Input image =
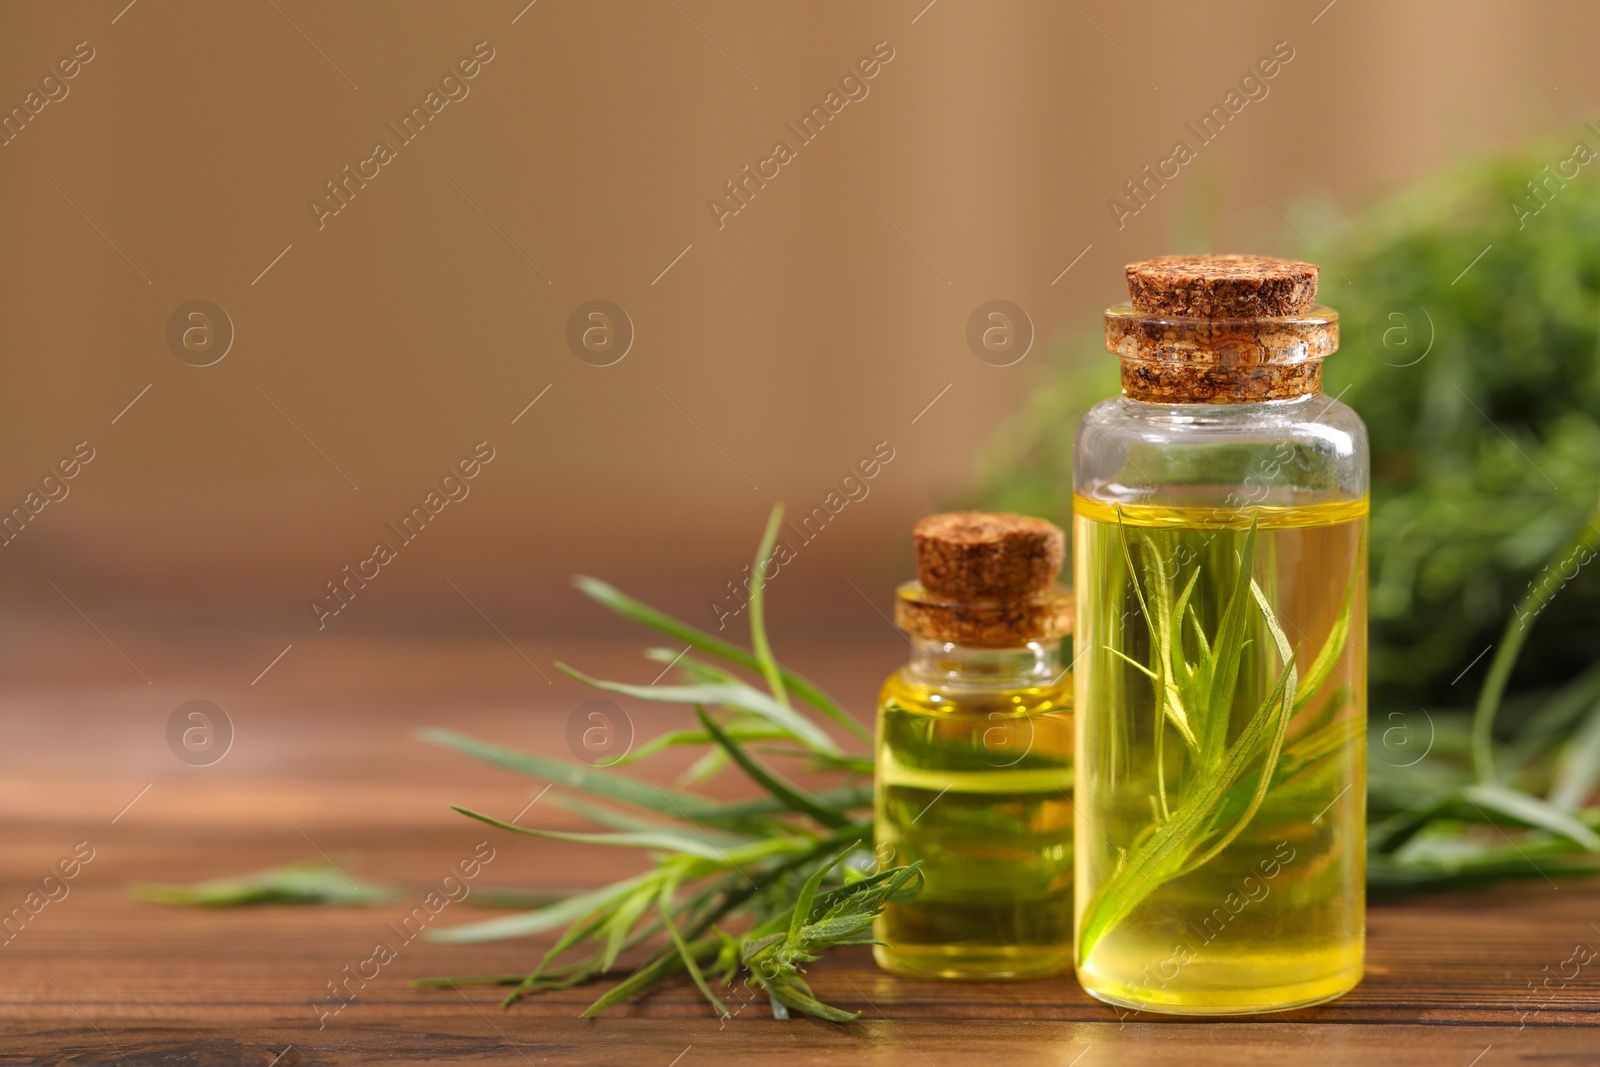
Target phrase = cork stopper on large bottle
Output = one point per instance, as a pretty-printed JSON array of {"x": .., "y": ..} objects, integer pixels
[
  {"x": 986, "y": 579},
  {"x": 1221, "y": 328},
  {"x": 1222, "y": 287}
]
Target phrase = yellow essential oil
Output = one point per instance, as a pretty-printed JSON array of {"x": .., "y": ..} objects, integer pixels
[
  {"x": 976, "y": 782},
  {"x": 974, "y": 756},
  {"x": 1247, "y": 908}
]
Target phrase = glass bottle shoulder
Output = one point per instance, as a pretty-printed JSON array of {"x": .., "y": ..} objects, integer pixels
[
  {"x": 1307, "y": 450},
  {"x": 1315, "y": 416}
]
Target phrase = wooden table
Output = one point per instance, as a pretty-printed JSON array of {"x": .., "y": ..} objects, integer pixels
[{"x": 322, "y": 762}]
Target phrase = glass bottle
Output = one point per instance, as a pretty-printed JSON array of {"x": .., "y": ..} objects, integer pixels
[
  {"x": 974, "y": 755},
  {"x": 1219, "y": 563}
]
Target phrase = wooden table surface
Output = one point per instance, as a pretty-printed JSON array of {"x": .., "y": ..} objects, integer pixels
[{"x": 322, "y": 761}]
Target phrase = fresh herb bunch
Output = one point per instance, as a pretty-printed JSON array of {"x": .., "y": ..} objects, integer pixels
[{"x": 757, "y": 865}]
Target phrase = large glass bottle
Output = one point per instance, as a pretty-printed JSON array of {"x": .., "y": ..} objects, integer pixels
[
  {"x": 1219, "y": 562},
  {"x": 974, "y": 755}
]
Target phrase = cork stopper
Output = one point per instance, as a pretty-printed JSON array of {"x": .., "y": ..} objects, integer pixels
[
  {"x": 1222, "y": 287},
  {"x": 1221, "y": 329},
  {"x": 979, "y": 555},
  {"x": 986, "y": 579}
]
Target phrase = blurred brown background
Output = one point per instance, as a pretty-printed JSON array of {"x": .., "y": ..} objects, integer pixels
[{"x": 771, "y": 353}]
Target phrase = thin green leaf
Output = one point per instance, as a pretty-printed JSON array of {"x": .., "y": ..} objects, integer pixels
[
  {"x": 308, "y": 882},
  {"x": 705, "y": 767},
  {"x": 621, "y": 923},
  {"x": 808, "y": 892},
  {"x": 1199, "y": 634},
  {"x": 561, "y": 913},
  {"x": 693, "y": 669},
  {"x": 1333, "y": 647},
  {"x": 1557, "y": 717},
  {"x": 843, "y": 798},
  {"x": 470, "y": 979},
  {"x": 744, "y": 731},
  {"x": 575, "y": 934},
  {"x": 740, "y": 696},
  {"x": 644, "y": 614},
  {"x": 769, "y": 779},
  {"x": 684, "y": 952},
  {"x": 1159, "y": 674},
  {"x": 1228, "y": 653},
  {"x": 1389, "y": 835},
  {"x": 686, "y": 842},
  {"x": 1180, "y": 609},
  {"x": 1530, "y": 811},
  {"x": 1136, "y": 665},
  {"x": 486, "y": 896},
  {"x": 600, "y": 782},
  {"x": 810, "y": 1005},
  {"x": 1518, "y": 626},
  {"x": 1311, "y": 749},
  {"x": 1387, "y": 876},
  {"x": 1578, "y": 770},
  {"x": 610, "y": 818},
  {"x": 1177, "y": 707},
  {"x": 659, "y": 967},
  {"x": 819, "y": 761},
  {"x": 758, "y": 599}
]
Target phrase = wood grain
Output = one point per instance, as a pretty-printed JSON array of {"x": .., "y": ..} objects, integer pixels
[{"x": 99, "y": 978}]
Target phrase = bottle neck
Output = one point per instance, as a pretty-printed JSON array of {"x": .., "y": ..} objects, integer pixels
[
  {"x": 935, "y": 662},
  {"x": 1168, "y": 360}
]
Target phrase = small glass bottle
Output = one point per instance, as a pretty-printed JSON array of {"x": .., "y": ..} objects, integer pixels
[
  {"x": 974, "y": 755},
  {"x": 1219, "y": 560}
]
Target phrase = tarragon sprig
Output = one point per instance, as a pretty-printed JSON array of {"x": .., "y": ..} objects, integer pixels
[
  {"x": 1194, "y": 693},
  {"x": 760, "y": 864},
  {"x": 317, "y": 881},
  {"x": 774, "y": 951}
]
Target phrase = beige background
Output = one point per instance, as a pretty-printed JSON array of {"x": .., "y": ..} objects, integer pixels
[{"x": 819, "y": 321}]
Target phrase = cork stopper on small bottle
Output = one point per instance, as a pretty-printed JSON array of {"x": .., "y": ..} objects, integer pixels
[
  {"x": 1221, "y": 329},
  {"x": 986, "y": 579},
  {"x": 977, "y": 555}
]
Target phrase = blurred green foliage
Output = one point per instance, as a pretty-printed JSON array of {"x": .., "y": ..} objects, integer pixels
[{"x": 1480, "y": 386}]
